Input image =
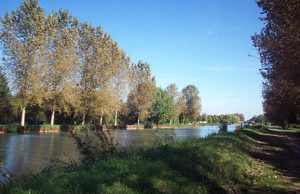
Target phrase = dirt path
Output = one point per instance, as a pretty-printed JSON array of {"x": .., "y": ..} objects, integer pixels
[
  {"x": 282, "y": 151},
  {"x": 293, "y": 162}
]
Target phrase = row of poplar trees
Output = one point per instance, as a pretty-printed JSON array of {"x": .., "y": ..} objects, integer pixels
[
  {"x": 278, "y": 45},
  {"x": 65, "y": 66},
  {"x": 61, "y": 64}
]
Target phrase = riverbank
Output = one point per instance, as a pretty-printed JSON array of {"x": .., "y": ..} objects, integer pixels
[
  {"x": 243, "y": 161},
  {"x": 16, "y": 128},
  {"x": 199, "y": 125}
]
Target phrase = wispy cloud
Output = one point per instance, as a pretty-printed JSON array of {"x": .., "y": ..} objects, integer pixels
[{"x": 231, "y": 68}]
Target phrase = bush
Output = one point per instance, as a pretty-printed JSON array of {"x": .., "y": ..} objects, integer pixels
[
  {"x": 12, "y": 127},
  {"x": 99, "y": 145},
  {"x": 164, "y": 136},
  {"x": 223, "y": 126}
]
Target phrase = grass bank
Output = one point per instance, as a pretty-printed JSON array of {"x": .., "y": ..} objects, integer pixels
[{"x": 221, "y": 163}]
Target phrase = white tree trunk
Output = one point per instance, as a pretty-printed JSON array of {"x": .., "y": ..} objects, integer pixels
[
  {"x": 23, "y": 117},
  {"x": 52, "y": 117},
  {"x": 101, "y": 118},
  {"x": 83, "y": 119},
  {"x": 116, "y": 118},
  {"x": 138, "y": 122}
]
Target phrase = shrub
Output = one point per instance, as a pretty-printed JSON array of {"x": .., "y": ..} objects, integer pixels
[
  {"x": 165, "y": 136},
  {"x": 223, "y": 126},
  {"x": 95, "y": 146}
]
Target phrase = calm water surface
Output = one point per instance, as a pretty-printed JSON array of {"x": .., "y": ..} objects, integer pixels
[{"x": 29, "y": 153}]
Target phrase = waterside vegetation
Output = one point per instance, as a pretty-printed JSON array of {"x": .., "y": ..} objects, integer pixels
[{"x": 247, "y": 161}]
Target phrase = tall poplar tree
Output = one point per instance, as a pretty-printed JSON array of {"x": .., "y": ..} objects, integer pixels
[
  {"x": 91, "y": 45},
  {"x": 22, "y": 42},
  {"x": 102, "y": 103},
  {"x": 120, "y": 85},
  {"x": 178, "y": 98},
  {"x": 143, "y": 93},
  {"x": 62, "y": 61},
  {"x": 101, "y": 59},
  {"x": 278, "y": 45},
  {"x": 192, "y": 101}
]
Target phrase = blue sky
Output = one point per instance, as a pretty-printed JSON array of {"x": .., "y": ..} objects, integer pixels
[{"x": 200, "y": 42}]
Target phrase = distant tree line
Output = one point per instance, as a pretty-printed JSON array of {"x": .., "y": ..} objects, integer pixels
[
  {"x": 225, "y": 118},
  {"x": 278, "y": 45},
  {"x": 258, "y": 119},
  {"x": 56, "y": 69}
]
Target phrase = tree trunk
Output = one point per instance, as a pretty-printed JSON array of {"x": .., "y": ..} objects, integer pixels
[
  {"x": 116, "y": 118},
  {"x": 52, "y": 116},
  {"x": 101, "y": 118},
  {"x": 138, "y": 122},
  {"x": 285, "y": 125},
  {"x": 83, "y": 119},
  {"x": 23, "y": 117}
]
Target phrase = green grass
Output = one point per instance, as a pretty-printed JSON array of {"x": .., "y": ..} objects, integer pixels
[
  {"x": 221, "y": 163},
  {"x": 290, "y": 130}
]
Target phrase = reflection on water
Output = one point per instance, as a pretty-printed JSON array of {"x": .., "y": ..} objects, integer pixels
[{"x": 28, "y": 153}]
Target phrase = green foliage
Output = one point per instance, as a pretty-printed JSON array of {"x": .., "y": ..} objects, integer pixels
[
  {"x": 142, "y": 95},
  {"x": 12, "y": 127},
  {"x": 240, "y": 116},
  {"x": 192, "y": 102},
  {"x": 6, "y": 108},
  {"x": 258, "y": 119},
  {"x": 163, "y": 108},
  {"x": 179, "y": 103},
  {"x": 36, "y": 115},
  {"x": 164, "y": 136},
  {"x": 41, "y": 117},
  {"x": 209, "y": 119},
  {"x": 230, "y": 119}
]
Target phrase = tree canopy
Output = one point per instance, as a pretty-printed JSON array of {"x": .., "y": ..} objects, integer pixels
[
  {"x": 163, "y": 108},
  {"x": 278, "y": 45},
  {"x": 5, "y": 101},
  {"x": 57, "y": 63},
  {"x": 192, "y": 102}
]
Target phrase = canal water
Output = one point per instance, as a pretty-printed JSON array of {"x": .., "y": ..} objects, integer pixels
[{"x": 29, "y": 153}]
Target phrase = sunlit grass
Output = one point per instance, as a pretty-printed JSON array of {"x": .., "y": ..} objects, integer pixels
[{"x": 290, "y": 130}]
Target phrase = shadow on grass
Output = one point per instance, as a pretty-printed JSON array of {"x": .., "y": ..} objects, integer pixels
[
  {"x": 277, "y": 152},
  {"x": 184, "y": 162}
]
